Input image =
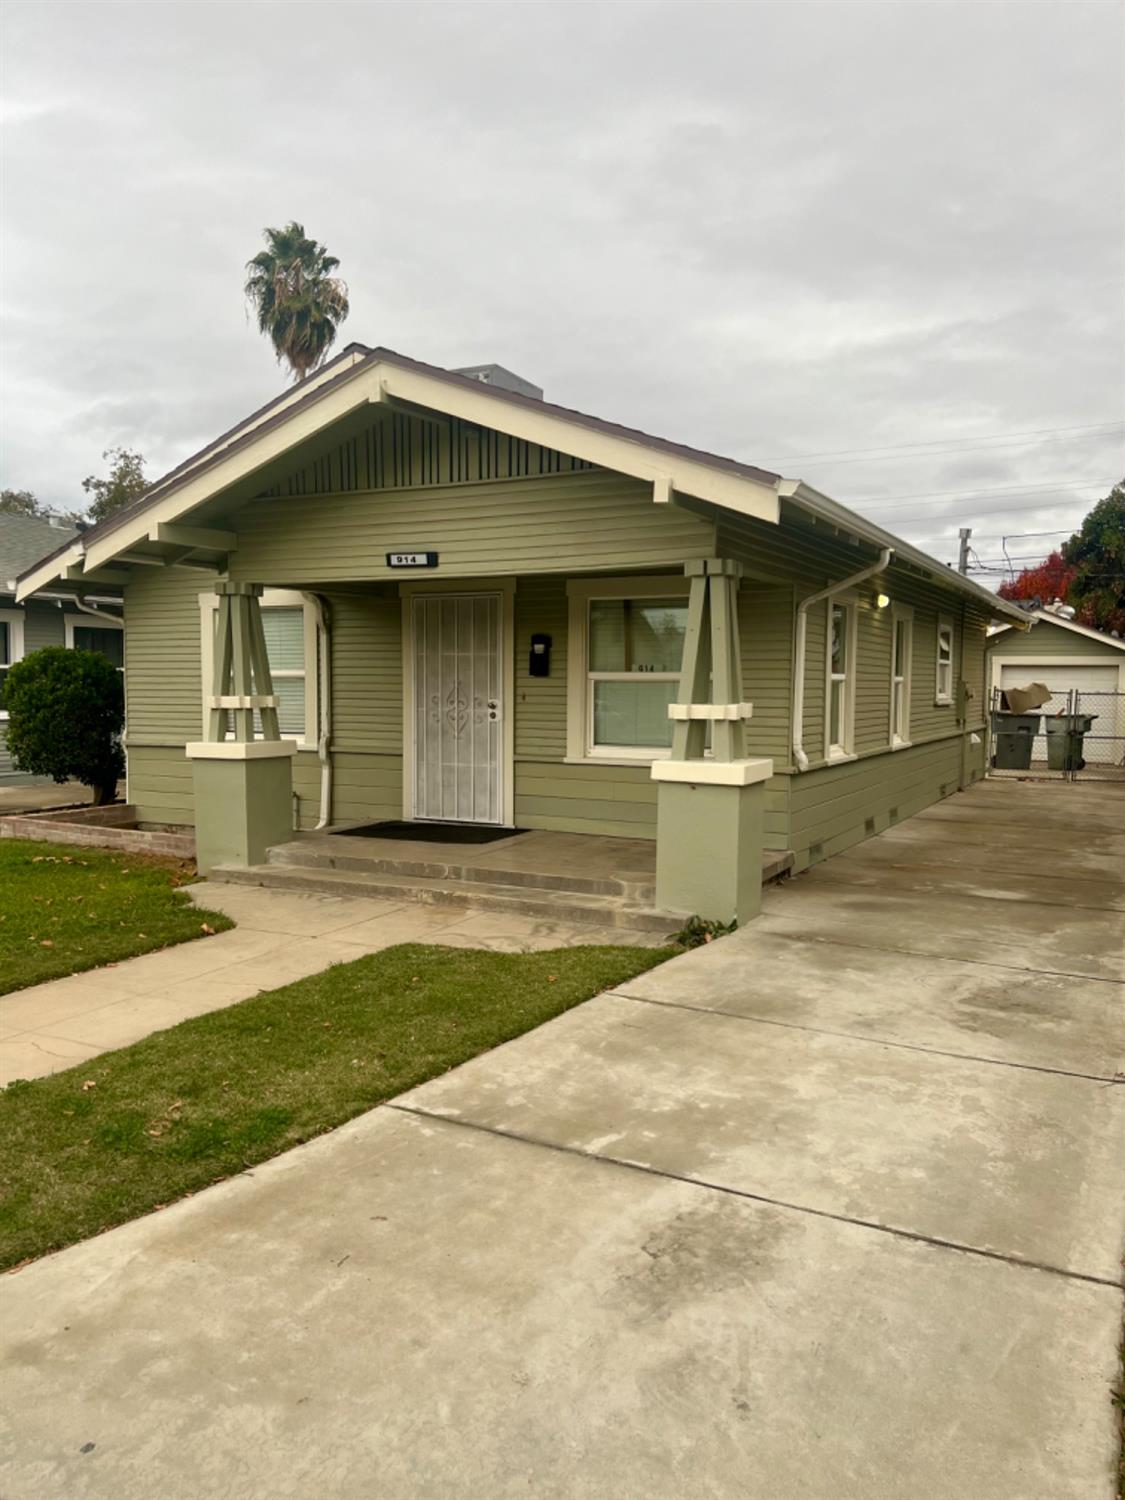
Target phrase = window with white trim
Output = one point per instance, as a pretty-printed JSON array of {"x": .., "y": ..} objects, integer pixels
[
  {"x": 902, "y": 660},
  {"x": 839, "y": 716},
  {"x": 106, "y": 636},
  {"x": 625, "y": 656},
  {"x": 11, "y": 648},
  {"x": 943, "y": 679},
  {"x": 289, "y": 626}
]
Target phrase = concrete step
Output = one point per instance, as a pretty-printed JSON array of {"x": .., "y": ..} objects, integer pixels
[
  {"x": 333, "y": 854},
  {"x": 550, "y": 905}
]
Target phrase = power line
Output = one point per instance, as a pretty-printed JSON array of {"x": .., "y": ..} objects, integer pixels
[
  {"x": 997, "y": 489},
  {"x": 896, "y": 455},
  {"x": 902, "y": 447}
]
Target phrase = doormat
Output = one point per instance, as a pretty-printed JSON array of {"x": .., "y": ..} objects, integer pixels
[{"x": 432, "y": 833}]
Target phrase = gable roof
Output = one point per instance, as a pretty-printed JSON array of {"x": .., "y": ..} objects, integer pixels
[
  {"x": 24, "y": 540},
  {"x": 360, "y": 375},
  {"x": 1046, "y": 617}
]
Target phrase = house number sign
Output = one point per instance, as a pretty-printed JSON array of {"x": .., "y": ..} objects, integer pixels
[{"x": 412, "y": 559}]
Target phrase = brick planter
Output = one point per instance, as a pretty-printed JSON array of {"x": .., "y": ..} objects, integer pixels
[{"x": 112, "y": 827}]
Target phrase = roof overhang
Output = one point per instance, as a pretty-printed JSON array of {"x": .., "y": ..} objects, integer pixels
[
  {"x": 824, "y": 509},
  {"x": 1045, "y": 617},
  {"x": 154, "y": 532}
]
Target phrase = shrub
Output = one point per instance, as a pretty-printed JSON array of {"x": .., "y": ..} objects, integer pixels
[{"x": 66, "y": 710}]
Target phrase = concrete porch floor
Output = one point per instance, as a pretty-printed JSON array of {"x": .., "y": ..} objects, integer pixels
[{"x": 574, "y": 877}]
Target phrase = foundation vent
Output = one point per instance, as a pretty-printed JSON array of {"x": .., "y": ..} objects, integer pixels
[
  {"x": 869, "y": 825},
  {"x": 816, "y": 851},
  {"x": 893, "y": 815}
]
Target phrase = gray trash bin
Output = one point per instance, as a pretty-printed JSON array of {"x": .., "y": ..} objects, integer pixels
[
  {"x": 1012, "y": 738},
  {"x": 1064, "y": 740}
]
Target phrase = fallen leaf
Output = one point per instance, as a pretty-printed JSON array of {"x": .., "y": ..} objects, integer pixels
[
  {"x": 207, "y": 928},
  {"x": 47, "y": 943},
  {"x": 89, "y": 1084}
]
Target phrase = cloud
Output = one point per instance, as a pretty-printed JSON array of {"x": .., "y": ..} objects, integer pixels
[{"x": 765, "y": 230}]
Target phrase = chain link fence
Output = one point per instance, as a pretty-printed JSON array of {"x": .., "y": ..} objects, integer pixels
[{"x": 1076, "y": 736}]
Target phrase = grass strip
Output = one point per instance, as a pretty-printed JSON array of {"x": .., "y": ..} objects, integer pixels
[{"x": 135, "y": 1129}]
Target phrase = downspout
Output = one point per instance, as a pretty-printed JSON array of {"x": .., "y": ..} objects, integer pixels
[
  {"x": 79, "y": 602},
  {"x": 800, "y": 758},
  {"x": 324, "y": 725}
]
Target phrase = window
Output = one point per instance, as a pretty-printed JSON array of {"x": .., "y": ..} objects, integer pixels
[
  {"x": 289, "y": 626},
  {"x": 943, "y": 684},
  {"x": 284, "y": 629},
  {"x": 625, "y": 655},
  {"x": 84, "y": 633},
  {"x": 840, "y": 683},
  {"x": 902, "y": 654},
  {"x": 11, "y": 647}
]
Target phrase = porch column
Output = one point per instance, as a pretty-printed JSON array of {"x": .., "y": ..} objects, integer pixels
[
  {"x": 243, "y": 785},
  {"x": 710, "y": 809}
]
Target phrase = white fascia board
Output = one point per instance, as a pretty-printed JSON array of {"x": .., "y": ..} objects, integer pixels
[
  {"x": 1048, "y": 618},
  {"x": 47, "y": 572},
  {"x": 745, "y": 496},
  {"x": 226, "y": 471},
  {"x": 278, "y": 408},
  {"x": 818, "y": 504},
  {"x": 664, "y": 471}
]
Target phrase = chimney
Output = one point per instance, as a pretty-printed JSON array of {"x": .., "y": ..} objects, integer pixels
[{"x": 502, "y": 379}]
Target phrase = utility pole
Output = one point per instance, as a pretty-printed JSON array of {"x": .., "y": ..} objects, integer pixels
[{"x": 963, "y": 556}]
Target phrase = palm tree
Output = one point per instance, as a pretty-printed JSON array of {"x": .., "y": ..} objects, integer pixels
[{"x": 297, "y": 299}]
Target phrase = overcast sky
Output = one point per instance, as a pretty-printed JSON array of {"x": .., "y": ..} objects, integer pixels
[{"x": 781, "y": 232}]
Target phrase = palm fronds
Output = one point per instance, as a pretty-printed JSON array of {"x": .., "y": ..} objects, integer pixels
[{"x": 298, "y": 301}]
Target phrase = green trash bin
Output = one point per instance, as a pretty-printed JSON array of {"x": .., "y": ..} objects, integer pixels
[
  {"x": 1012, "y": 739},
  {"x": 1064, "y": 740}
]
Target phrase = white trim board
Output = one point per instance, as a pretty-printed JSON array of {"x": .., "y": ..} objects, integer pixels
[
  {"x": 1038, "y": 668},
  {"x": 14, "y": 619},
  {"x": 1046, "y": 618},
  {"x": 384, "y": 381},
  {"x": 579, "y": 592},
  {"x": 89, "y": 622}
]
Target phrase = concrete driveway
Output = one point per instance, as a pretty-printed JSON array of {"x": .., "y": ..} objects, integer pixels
[{"x": 832, "y": 1209}]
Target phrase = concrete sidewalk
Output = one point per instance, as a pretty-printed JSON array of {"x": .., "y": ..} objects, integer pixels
[
  {"x": 281, "y": 936},
  {"x": 830, "y": 1210}
]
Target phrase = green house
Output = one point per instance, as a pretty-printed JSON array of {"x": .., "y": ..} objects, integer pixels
[{"x": 402, "y": 593}]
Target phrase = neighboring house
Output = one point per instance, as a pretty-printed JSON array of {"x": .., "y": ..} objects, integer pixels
[
  {"x": 476, "y": 609},
  {"x": 1067, "y": 658},
  {"x": 50, "y": 618}
]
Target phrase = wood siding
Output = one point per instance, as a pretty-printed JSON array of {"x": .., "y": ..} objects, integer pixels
[
  {"x": 837, "y": 806},
  {"x": 542, "y": 530},
  {"x": 1045, "y": 641},
  {"x": 391, "y": 450},
  {"x": 798, "y": 556},
  {"x": 580, "y": 522}
]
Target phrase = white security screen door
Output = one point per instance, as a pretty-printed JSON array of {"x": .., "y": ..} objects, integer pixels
[{"x": 458, "y": 709}]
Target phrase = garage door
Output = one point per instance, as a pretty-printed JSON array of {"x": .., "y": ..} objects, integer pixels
[{"x": 1062, "y": 679}]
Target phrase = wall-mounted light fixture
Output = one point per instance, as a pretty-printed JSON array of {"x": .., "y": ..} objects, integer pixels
[{"x": 882, "y": 600}]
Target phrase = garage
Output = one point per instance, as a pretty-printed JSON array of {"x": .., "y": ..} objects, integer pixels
[{"x": 1068, "y": 658}]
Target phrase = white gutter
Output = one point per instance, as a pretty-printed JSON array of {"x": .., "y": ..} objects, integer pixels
[
  {"x": 79, "y": 602},
  {"x": 799, "y": 756},
  {"x": 324, "y": 727}
]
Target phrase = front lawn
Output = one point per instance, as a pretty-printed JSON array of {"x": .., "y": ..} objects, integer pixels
[
  {"x": 135, "y": 1129},
  {"x": 64, "y": 908}
]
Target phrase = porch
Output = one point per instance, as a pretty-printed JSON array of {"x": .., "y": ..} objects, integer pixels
[{"x": 562, "y": 877}]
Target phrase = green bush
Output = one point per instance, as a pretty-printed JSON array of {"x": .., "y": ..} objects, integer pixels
[{"x": 66, "y": 710}]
